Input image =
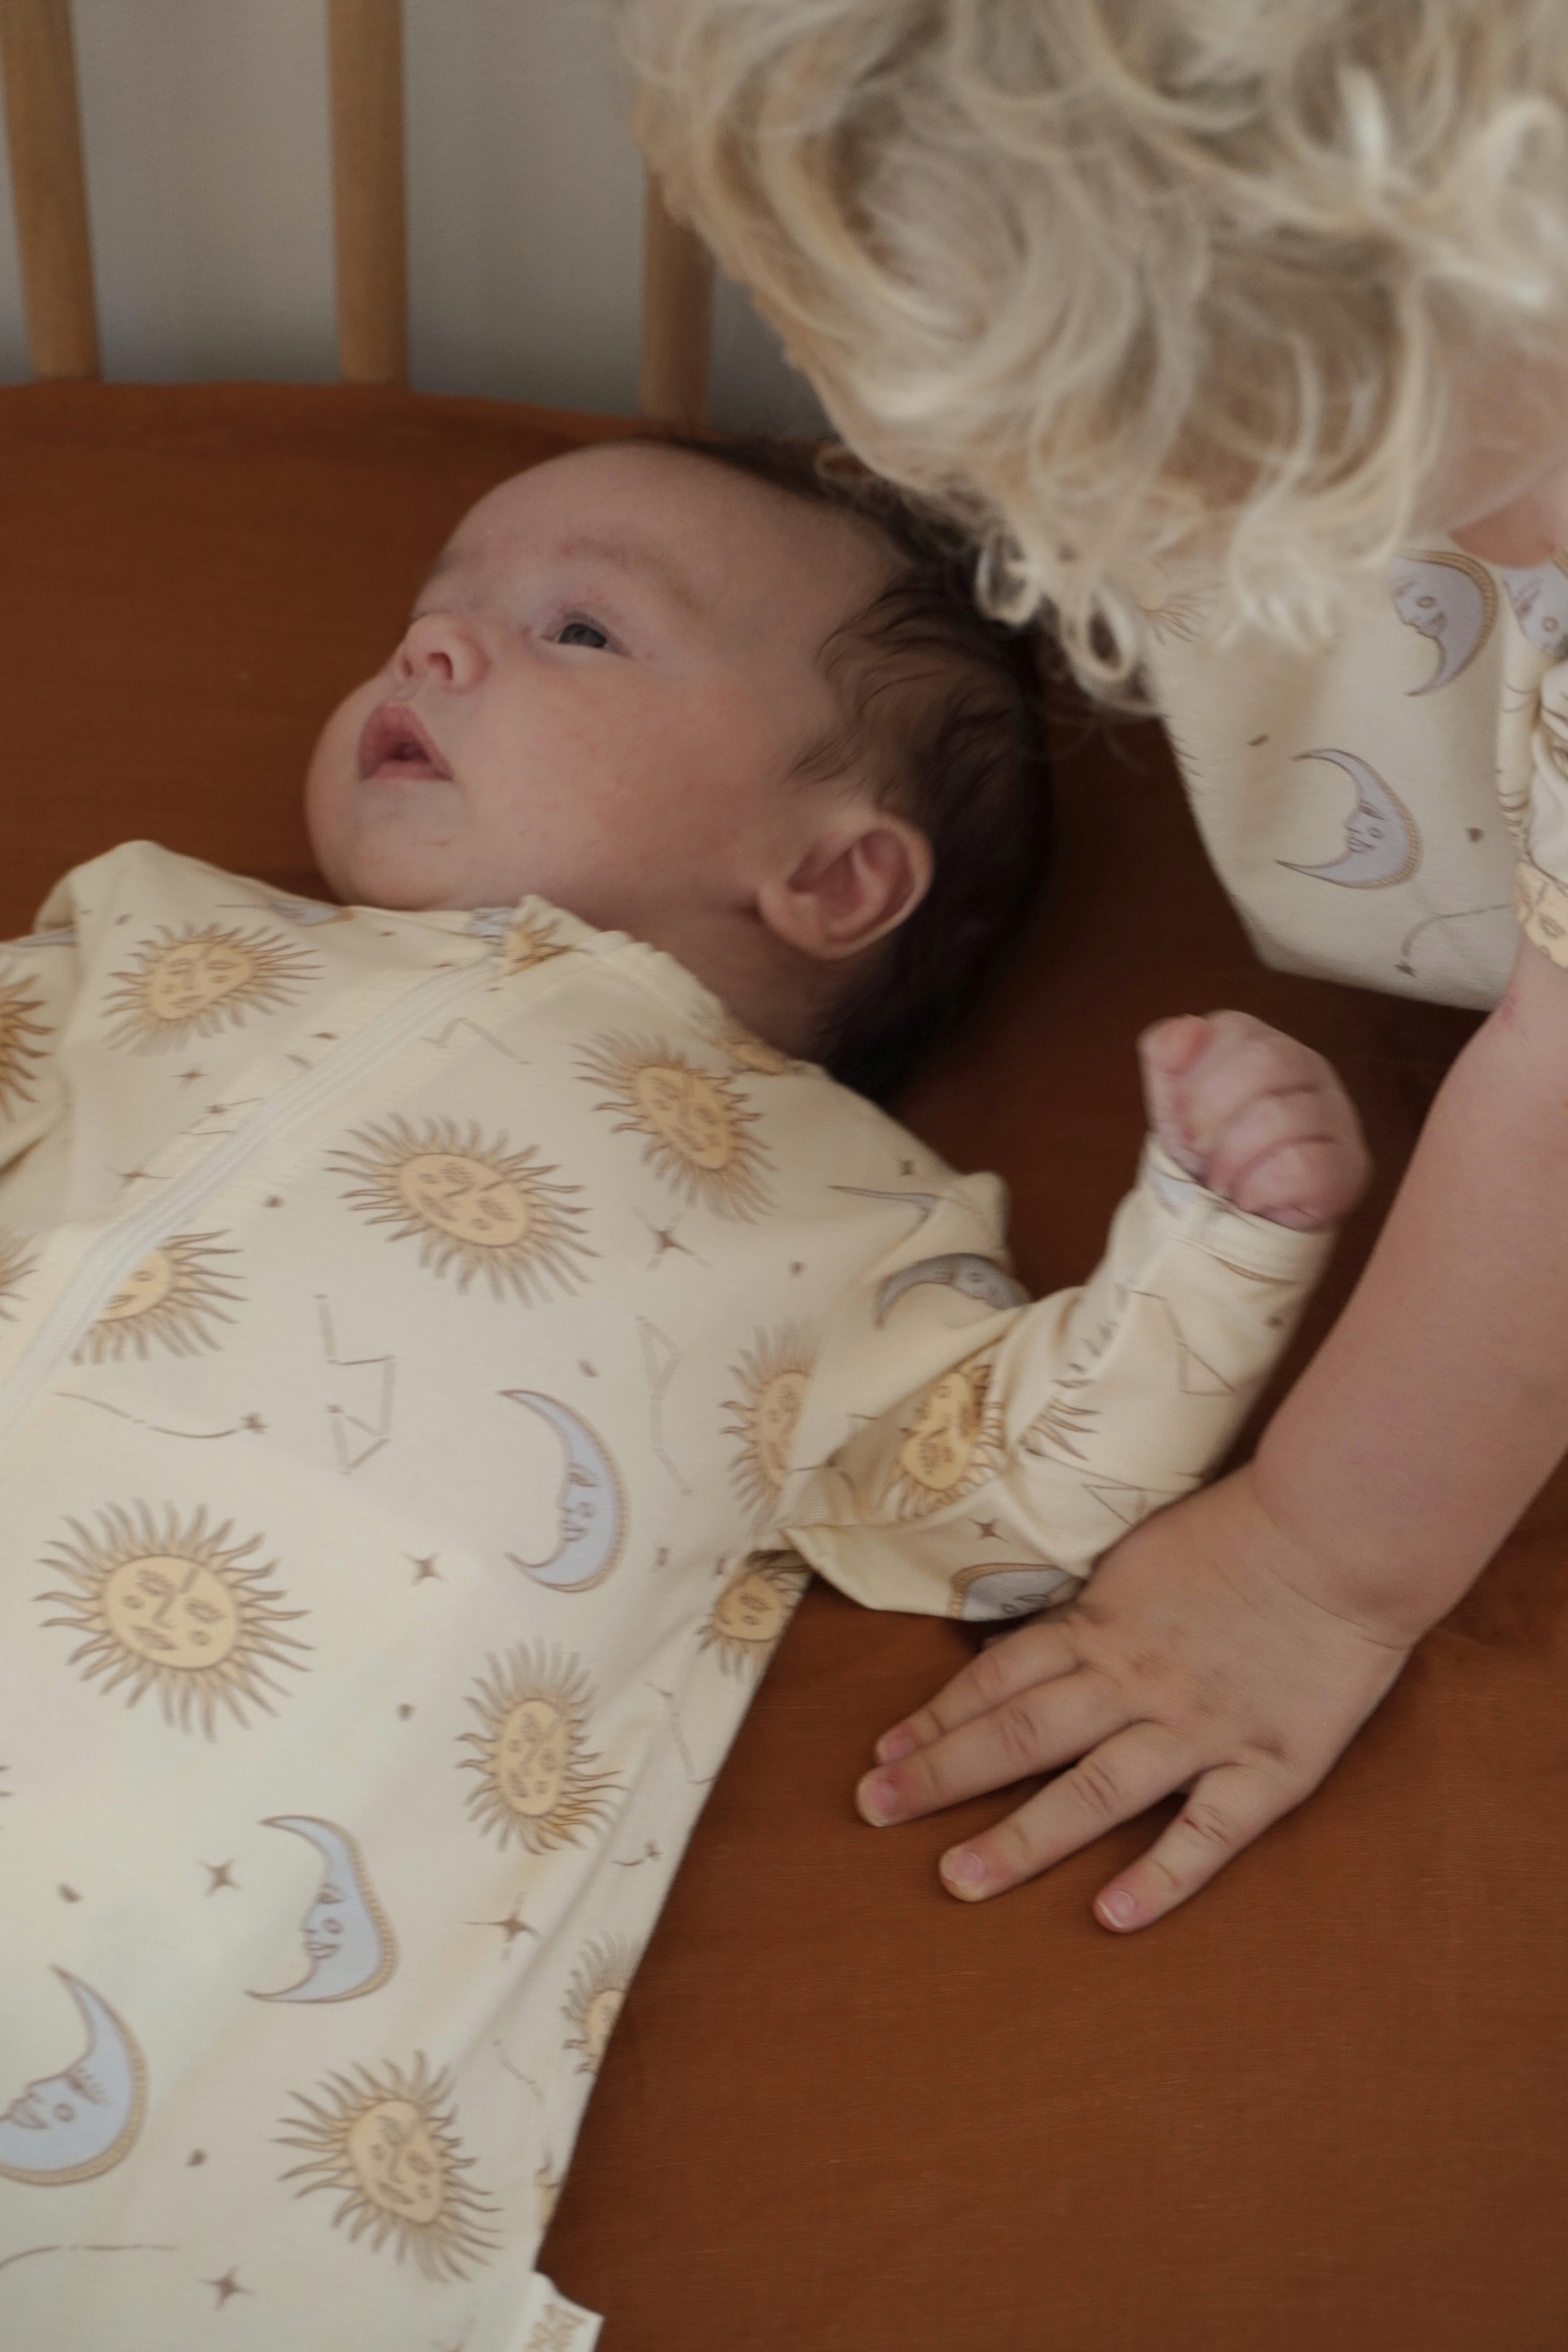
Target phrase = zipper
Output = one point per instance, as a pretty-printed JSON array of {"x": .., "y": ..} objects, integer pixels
[{"x": 127, "y": 1242}]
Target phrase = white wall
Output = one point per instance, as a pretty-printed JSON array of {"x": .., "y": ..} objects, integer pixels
[{"x": 209, "y": 184}]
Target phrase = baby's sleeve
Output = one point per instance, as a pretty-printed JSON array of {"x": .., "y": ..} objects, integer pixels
[
  {"x": 1027, "y": 1440},
  {"x": 40, "y": 978}
]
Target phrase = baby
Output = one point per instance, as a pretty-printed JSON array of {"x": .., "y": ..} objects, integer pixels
[{"x": 436, "y": 1327}]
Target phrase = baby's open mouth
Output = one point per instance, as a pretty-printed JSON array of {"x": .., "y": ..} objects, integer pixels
[{"x": 394, "y": 744}]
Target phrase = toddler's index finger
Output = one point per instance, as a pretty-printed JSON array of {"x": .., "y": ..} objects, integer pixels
[{"x": 1166, "y": 1052}]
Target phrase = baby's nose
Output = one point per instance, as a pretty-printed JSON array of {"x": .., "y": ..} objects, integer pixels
[{"x": 442, "y": 646}]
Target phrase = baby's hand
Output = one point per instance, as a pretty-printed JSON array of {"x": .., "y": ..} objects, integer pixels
[{"x": 1255, "y": 1116}]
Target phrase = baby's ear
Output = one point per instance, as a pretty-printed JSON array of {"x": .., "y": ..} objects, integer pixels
[{"x": 863, "y": 876}]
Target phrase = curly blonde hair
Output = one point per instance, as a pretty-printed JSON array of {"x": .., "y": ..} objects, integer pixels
[{"x": 1203, "y": 286}]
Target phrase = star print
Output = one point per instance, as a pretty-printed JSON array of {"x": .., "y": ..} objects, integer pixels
[
  {"x": 226, "y": 2287},
  {"x": 253, "y": 1421},
  {"x": 220, "y": 1873},
  {"x": 188, "y": 1077},
  {"x": 273, "y": 1201},
  {"x": 405, "y": 1711},
  {"x": 424, "y": 1568},
  {"x": 665, "y": 1239},
  {"x": 196, "y": 2156},
  {"x": 797, "y": 1265},
  {"x": 327, "y": 1036},
  {"x": 590, "y": 1371},
  {"x": 988, "y": 1530},
  {"x": 511, "y": 1927},
  {"x": 906, "y": 1167},
  {"x": 67, "y": 1894}
]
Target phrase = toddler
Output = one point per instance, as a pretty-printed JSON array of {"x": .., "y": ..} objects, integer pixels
[{"x": 435, "y": 1326}]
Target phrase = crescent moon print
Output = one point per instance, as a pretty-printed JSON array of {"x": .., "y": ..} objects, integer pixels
[
  {"x": 748, "y": 1620},
  {"x": 16, "y": 1263},
  {"x": 592, "y": 1503},
  {"x": 775, "y": 1374},
  {"x": 169, "y": 1300},
  {"x": 992, "y": 1592},
  {"x": 696, "y": 1125},
  {"x": 975, "y": 1277},
  {"x": 1451, "y": 598},
  {"x": 952, "y": 1445},
  {"x": 175, "y": 1610},
  {"x": 537, "y": 1784},
  {"x": 347, "y": 1936},
  {"x": 1540, "y": 601},
  {"x": 475, "y": 1208},
  {"x": 1382, "y": 843},
  {"x": 196, "y": 981},
  {"x": 384, "y": 2144},
  {"x": 72, "y": 2127},
  {"x": 21, "y": 1043}
]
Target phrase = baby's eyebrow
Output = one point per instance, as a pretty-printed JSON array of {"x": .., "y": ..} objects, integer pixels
[
  {"x": 625, "y": 552},
  {"x": 630, "y": 551}
]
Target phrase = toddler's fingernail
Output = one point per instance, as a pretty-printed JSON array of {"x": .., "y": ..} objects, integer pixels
[
  {"x": 963, "y": 1870},
  {"x": 877, "y": 1800},
  {"x": 1118, "y": 1910},
  {"x": 893, "y": 1744}
]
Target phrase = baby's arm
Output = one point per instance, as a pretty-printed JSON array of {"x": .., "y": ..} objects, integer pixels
[
  {"x": 39, "y": 983},
  {"x": 1015, "y": 1448}
]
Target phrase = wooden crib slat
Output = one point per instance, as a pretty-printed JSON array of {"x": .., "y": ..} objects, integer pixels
[
  {"x": 43, "y": 125},
  {"x": 365, "y": 45},
  {"x": 676, "y": 319}
]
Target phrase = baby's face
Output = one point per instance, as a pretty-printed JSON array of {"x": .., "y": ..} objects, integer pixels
[{"x": 598, "y": 699}]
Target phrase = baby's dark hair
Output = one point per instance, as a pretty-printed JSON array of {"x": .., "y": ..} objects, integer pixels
[{"x": 954, "y": 701}]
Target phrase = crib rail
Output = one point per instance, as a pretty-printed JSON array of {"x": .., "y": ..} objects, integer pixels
[{"x": 364, "y": 44}]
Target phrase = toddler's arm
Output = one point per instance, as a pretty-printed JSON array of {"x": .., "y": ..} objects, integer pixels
[
  {"x": 1238, "y": 1642},
  {"x": 1024, "y": 1442}
]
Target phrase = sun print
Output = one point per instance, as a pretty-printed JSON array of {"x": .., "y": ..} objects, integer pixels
[
  {"x": 16, "y": 1263},
  {"x": 175, "y": 1610},
  {"x": 477, "y": 1209},
  {"x": 775, "y": 1374},
  {"x": 529, "y": 940},
  {"x": 749, "y": 1052},
  {"x": 747, "y": 1620},
  {"x": 171, "y": 1299},
  {"x": 1062, "y": 1427},
  {"x": 382, "y": 2143},
  {"x": 952, "y": 1445},
  {"x": 696, "y": 1124},
  {"x": 21, "y": 1043},
  {"x": 536, "y": 1783},
  {"x": 594, "y": 1998},
  {"x": 197, "y": 981}
]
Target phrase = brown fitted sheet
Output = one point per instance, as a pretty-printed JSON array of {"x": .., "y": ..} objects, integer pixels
[{"x": 1321, "y": 2109}]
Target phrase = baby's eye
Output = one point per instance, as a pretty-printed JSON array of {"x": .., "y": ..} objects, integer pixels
[{"x": 580, "y": 632}]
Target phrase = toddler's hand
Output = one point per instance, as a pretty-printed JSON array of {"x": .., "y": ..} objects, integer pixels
[{"x": 1255, "y": 1116}]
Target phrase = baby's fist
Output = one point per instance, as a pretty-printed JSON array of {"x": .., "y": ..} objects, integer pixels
[{"x": 1255, "y": 1116}]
